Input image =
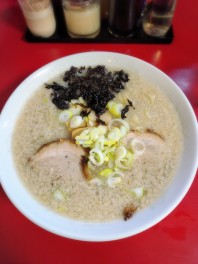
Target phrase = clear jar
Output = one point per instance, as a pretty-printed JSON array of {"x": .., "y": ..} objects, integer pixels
[
  {"x": 157, "y": 18},
  {"x": 82, "y": 18},
  {"x": 39, "y": 16}
]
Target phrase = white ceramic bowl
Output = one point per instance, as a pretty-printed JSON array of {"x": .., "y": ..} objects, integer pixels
[{"x": 141, "y": 221}]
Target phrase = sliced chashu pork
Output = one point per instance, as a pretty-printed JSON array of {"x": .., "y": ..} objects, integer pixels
[
  {"x": 149, "y": 143},
  {"x": 144, "y": 142},
  {"x": 63, "y": 155},
  {"x": 71, "y": 159}
]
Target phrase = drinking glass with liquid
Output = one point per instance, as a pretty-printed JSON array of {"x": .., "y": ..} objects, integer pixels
[{"x": 158, "y": 17}]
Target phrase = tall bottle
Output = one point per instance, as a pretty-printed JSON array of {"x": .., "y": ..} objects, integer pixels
[{"x": 124, "y": 16}]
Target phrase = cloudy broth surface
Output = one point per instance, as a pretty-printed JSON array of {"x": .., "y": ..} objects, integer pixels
[{"x": 38, "y": 124}]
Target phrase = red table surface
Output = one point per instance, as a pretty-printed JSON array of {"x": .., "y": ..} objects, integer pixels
[{"x": 174, "y": 239}]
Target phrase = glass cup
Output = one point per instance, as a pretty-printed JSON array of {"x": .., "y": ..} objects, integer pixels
[
  {"x": 39, "y": 16},
  {"x": 124, "y": 16},
  {"x": 82, "y": 18},
  {"x": 157, "y": 18}
]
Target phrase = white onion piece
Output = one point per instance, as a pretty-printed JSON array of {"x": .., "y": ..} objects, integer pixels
[{"x": 120, "y": 165}]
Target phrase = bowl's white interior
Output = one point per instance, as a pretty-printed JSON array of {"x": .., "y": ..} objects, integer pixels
[{"x": 90, "y": 231}]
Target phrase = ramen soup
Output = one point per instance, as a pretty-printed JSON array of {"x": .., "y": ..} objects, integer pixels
[{"x": 102, "y": 164}]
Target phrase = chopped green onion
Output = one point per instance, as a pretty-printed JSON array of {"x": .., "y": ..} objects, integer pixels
[
  {"x": 120, "y": 152},
  {"x": 45, "y": 100},
  {"x": 76, "y": 110},
  {"x": 91, "y": 166},
  {"x": 123, "y": 131},
  {"x": 83, "y": 138},
  {"x": 113, "y": 181},
  {"x": 106, "y": 172},
  {"x": 138, "y": 192},
  {"x": 64, "y": 116},
  {"x": 109, "y": 142},
  {"x": 114, "y": 134},
  {"x": 76, "y": 121},
  {"x": 119, "y": 121},
  {"x": 128, "y": 160},
  {"x": 80, "y": 100},
  {"x": 115, "y": 109},
  {"x": 110, "y": 104},
  {"x": 58, "y": 195},
  {"x": 96, "y": 181},
  {"x": 96, "y": 157}
]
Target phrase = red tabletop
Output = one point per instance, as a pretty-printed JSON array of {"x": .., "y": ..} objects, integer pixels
[{"x": 174, "y": 239}]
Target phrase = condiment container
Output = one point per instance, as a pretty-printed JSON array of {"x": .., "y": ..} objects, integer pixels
[
  {"x": 157, "y": 18},
  {"x": 82, "y": 18},
  {"x": 104, "y": 6},
  {"x": 124, "y": 16},
  {"x": 39, "y": 16}
]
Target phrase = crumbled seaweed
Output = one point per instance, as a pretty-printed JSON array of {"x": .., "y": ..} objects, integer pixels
[
  {"x": 126, "y": 109},
  {"x": 60, "y": 103},
  {"x": 96, "y": 85},
  {"x": 85, "y": 113},
  {"x": 100, "y": 121}
]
